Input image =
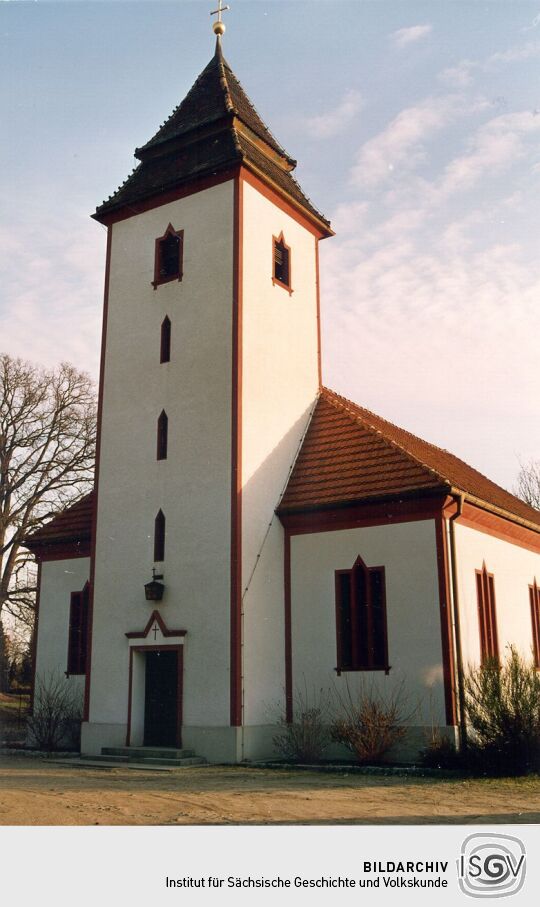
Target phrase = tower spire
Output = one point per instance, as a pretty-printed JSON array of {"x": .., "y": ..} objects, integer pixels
[{"x": 219, "y": 25}]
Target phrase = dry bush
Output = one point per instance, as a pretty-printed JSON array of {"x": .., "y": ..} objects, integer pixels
[
  {"x": 305, "y": 739},
  {"x": 441, "y": 752},
  {"x": 55, "y": 721},
  {"x": 371, "y": 722}
]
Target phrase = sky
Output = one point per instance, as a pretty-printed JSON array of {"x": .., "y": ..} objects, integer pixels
[{"x": 417, "y": 131}]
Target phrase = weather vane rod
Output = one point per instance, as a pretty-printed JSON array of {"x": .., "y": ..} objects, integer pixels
[{"x": 219, "y": 25}]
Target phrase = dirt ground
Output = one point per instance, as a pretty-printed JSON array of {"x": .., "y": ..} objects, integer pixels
[{"x": 35, "y": 792}]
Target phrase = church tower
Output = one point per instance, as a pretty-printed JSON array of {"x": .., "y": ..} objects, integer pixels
[{"x": 210, "y": 370}]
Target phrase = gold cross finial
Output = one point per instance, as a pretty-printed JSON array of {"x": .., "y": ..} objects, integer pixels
[{"x": 219, "y": 25}]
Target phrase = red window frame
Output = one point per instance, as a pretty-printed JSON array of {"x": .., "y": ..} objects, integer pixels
[
  {"x": 160, "y": 277},
  {"x": 78, "y": 632},
  {"x": 284, "y": 250},
  {"x": 534, "y": 597},
  {"x": 487, "y": 614},
  {"x": 357, "y": 650}
]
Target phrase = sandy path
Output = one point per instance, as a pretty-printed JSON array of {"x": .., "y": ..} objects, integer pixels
[{"x": 36, "y": 793}]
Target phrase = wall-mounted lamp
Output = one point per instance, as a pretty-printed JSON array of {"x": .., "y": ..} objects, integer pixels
[{"x": 154, "y": 589}]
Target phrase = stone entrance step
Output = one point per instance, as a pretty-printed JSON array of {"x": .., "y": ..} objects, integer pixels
[
  {"x": 149, "y": 755},
  {"x": 146, "y": 752}
]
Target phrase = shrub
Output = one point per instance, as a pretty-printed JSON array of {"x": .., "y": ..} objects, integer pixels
[
  {"x": 441, "y": 752},
  {"x": 371, "y": 723},
  {"x": 304, "y": 739},
  {"x": 55, "y": 721},
  {"x": 503, "y": 713}
]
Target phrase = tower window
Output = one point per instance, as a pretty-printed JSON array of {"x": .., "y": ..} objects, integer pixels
[
  {"x": 165, "y": 346},
  {"x": 487, "y": 618},
  {"x": 281, "y": 262},
  {"x": 162, "y": 432},
  {"x": 168, "y": 256},
  {"x": 159, "y": 537},
  {"x": 362, "y": 643},
  {"x": 78, "y": 632}
]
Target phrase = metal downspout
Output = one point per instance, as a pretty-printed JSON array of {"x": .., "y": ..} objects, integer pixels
[{"x": 457, "y": 630}]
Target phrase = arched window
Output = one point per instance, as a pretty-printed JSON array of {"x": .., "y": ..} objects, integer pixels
[
  {"x": 159, "y": 537},
  {"x": 165, "y": 346},
  {"x": 162, "y": 432},
  {"x": 168, "y": 256},
  {"x": 487, "y": 618},
  {"x": 362, "y": 643}
]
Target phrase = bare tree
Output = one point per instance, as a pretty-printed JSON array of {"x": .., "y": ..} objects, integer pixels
[
  {"x": 528, "y": 483},
  {"x": 47, "y": 452}
]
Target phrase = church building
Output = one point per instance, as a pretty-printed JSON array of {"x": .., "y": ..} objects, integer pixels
[{"x": 251, "y": 533}]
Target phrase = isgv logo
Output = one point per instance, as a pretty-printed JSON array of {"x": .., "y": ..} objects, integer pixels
[{"x": 491, "y": 866}]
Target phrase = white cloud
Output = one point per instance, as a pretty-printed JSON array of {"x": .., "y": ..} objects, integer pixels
[
  {"x": 329, "y": 124},
  {"x": 404, "y": 36},
  {"x": 452, "y": 327},
  {"x": 401, "y": 145},
  {"x": 534, "y": 24},
  {"x": 496, "y": 145},
  {"x": 52, "y": 299},
  {"x": 461, "y": 75}
]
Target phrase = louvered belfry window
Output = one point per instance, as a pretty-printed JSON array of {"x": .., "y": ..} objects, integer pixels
[
  {"x": 168, "y": 256},
  {"x": 362, "y": 641},
  {"x": 78, "y": 632},
  {"x": 487, "y": 617},
  {"x": 282, "y": 262}
]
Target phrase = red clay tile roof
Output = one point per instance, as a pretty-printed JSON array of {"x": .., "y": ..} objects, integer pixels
[
  {"x": 349, "y": 454},
  {"x": 207, "y": 133},
  {"x": 74, "y": 524}
]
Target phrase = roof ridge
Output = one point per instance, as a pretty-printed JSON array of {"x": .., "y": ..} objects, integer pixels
[
  {"x": 278, "y": 146},
  {"x": 344, "y": 403},
  {"x": 222, "y": 66}
]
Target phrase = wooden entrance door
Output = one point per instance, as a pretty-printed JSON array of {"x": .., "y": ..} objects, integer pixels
[{"x": 162, "y": 698}]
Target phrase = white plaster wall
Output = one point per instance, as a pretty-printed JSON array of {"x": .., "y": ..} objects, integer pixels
[
  {"x": 58, "y": 580},
  {"x": 514, "y": 569},
  {"x": 408, "y": 553},
  {"x": 279, "y": 387},
  {"x": 192, "y": 486}
]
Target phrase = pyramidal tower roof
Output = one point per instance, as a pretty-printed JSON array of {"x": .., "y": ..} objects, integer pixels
[
  {"x": 215, "y": 127},
  {"x": 215, "y": 94}
]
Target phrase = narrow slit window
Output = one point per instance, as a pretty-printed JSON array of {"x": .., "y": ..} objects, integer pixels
[
  {"x": 159, "y": 537},
  {"x": 281, "y": 273},
  {"x": 534, "y": 595},
  {"x": 162, "y": 435},
  {"x": 362, "y": 643},
  {"x": 487, "y": 617},
  {"x": 78, "y": 632},
  {"x": 168, "y": 256},
  {"x": 165, "y": 345}
]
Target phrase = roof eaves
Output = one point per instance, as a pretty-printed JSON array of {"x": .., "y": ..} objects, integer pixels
[
  {"x": 492, "y": 508},
  {"x": 391, "y": 497},
  {"x": 310, "y": 211}
]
